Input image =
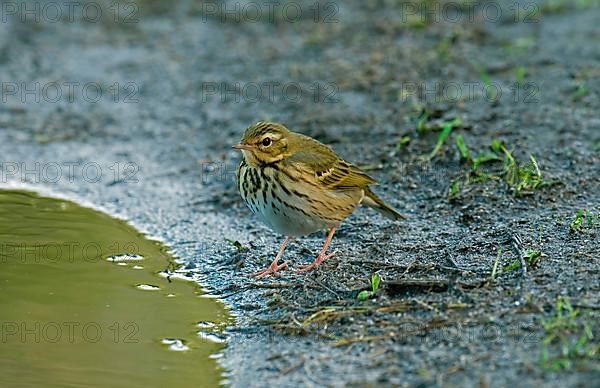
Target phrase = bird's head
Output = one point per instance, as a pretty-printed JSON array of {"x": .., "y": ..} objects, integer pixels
[{"x": 265, "y": 142}]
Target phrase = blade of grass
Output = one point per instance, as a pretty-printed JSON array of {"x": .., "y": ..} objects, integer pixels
[
  {"x": 495, "y": 267},
  {"x": 448, "y": 127},
  {"x": 462, "y": 147}
]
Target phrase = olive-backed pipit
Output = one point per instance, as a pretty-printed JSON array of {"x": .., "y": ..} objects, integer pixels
[{"x": 298, "y": 186}]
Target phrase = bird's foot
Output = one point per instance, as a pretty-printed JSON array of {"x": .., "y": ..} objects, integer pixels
[
  {"x": 272, "y": 270},
  {"x": 321, "y": 258}
]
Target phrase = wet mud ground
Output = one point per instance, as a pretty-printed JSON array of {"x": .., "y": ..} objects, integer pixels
[{"x": 380, "y": 88}]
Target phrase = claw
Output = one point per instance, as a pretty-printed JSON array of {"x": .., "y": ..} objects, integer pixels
[
  {"x": 320, "y": 259},
  {"x": 274, "y": 267},
  {"x": 272, "y": 270},
  {"x": 322, "y": 256}
]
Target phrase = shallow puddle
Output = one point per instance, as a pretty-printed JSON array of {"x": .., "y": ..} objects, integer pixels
[{"x": 82, "y": 303}]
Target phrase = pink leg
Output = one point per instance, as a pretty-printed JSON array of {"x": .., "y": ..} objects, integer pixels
[
  {"x": 274, "y": 267},
  {"x": 322, "y": 256}
]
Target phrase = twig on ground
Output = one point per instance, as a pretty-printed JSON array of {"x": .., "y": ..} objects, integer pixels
[
  {"x": 322, "y": 285},
  {"x": 292, "y": 368},
  {"x": 436, "y": 285},
  {"x": 518, "y": 244},
  {"x": 267, "y": 285}
]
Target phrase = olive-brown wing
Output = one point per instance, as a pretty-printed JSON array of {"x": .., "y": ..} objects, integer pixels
[{"x": 329, "y": 169}]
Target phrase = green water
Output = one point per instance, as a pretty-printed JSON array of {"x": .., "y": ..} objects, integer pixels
[{"x": 82, "y": 303}]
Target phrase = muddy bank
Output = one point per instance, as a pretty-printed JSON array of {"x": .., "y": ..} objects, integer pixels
[{"x": 180, "y": 85}]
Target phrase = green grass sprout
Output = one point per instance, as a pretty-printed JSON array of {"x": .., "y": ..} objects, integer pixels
[
  {"x": 446, "y": 130},
  {"x": 566, "y": 335},
  {"x": 375, "y": 282},
  {"x": 465, "y": 153}
]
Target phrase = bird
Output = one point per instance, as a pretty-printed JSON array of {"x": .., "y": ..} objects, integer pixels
[{"x": 298, "y": 185}]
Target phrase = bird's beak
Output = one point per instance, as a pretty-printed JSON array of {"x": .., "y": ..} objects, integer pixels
[{"x": 247, "y": 147}]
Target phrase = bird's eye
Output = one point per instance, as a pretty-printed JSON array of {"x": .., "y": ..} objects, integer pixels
[{"x": 266, "y": 141}]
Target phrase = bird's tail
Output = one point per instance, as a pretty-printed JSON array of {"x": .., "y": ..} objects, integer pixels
[{"x": 372, "y": 200}]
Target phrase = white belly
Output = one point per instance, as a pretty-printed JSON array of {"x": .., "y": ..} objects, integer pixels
[
  {"x": 285, "y": 220},
  {"x": 288, "y": 213}
]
